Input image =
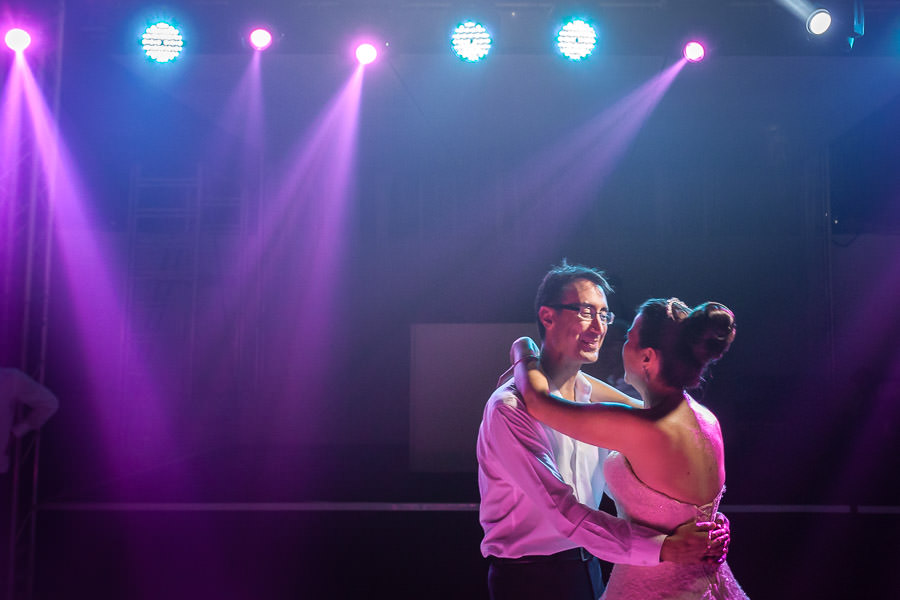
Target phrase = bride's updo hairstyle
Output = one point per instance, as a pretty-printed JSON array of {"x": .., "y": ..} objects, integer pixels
[{"x": 688, "y": 341}]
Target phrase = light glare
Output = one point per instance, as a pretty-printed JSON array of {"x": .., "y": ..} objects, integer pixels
[
  {"x": 162, "y": 42},
  {"x": 366, "y": 53},
  {"x": 471, "y": 41},
  {"x": 694, "y": 51},
  {"x": 818, "y": 22},
  {"x": 260, "y": 39},
  {"x": 576, "y": 40},
  {"x": 17, "y": 39}
]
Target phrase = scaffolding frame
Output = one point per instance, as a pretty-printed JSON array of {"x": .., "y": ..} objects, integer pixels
[{"x": 28, "y": 275}]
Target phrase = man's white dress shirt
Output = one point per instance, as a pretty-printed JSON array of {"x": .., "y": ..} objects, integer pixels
[{"x": 540, "y": 488}]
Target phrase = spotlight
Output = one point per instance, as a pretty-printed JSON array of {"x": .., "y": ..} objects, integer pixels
[
  {"x": 694, "y": 51},
  {"x": 260, "y": 39},
  {"x": 818, "y": 21},
  {"x": 576, "y": 40},
  {"x": 162, "y": 42},
  {"x": 471, "y": 41},
  {"x": 366, "y": 53},
  {"x": 17, "y": 40}
]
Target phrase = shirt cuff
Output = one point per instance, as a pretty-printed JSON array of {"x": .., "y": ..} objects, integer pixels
[{"x": 645, "y": 551}]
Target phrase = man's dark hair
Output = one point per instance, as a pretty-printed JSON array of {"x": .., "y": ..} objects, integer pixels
[{"x": 555, "y": 281}]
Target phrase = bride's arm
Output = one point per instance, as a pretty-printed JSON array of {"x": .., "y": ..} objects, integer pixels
[
  {"x": 613, "y": 426},
  {"x": 603, "y": 392},
  {"x": 600, "y": 390}
]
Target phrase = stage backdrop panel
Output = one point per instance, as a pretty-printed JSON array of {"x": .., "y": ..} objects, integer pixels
[{"x": 454, "y": 368}]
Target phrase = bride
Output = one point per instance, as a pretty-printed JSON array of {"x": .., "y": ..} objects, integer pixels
[{"x": 667, "y": 460}]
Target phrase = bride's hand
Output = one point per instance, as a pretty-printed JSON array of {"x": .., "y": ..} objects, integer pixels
[{"x": 523, "y": 348}]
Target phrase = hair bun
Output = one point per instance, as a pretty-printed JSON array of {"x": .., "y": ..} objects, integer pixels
[
  {"x": 710, "y": 332},
  {"x": 688, "y": 340}
]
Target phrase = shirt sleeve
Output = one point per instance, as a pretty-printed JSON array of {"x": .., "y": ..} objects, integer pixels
[
  {"x": 524, "y": 449},
  {"x": 41, "y": 402}
]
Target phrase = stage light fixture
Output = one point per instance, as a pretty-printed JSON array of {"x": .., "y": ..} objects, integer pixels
[
  {"x": 859, "y": 23},
  {"x": 366, "y": 53},
  {"x": 260, "y": 39},
  {"x": 17, "y": 40},
  {"x": 471, "y": 41},
  {"x": 818, "y": 21},
  {"x": 694, "y": 51},
  {"x": 162, "y": 42},
  {"x": 576, "y": 40}
]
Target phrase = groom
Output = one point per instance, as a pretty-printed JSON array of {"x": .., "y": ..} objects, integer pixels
[{"x": 540, "y": 489}]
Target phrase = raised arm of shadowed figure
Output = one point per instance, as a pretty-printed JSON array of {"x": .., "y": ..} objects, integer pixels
[
  {"x": 41, "y": 404},
  {"x": 18, "y": 389}
]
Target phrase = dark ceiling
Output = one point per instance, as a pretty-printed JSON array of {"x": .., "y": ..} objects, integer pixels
[{"x": 731, "y": 27}]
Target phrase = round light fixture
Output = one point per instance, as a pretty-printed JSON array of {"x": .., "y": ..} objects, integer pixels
[
  {"x": 694, "y": 51},
  {"x": 576, "y": 40},
  {"x": 366, "y": 53},
  {"x": 818, "y": 21},
  {"x": 162, "y": 42},
  {"x": 260, "y": 39},
  {"x": 17, "y": 39},
  {"x": 471, "y": 41}
]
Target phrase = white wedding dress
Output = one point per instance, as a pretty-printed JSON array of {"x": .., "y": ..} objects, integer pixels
[{"x": 638, "y": 503}]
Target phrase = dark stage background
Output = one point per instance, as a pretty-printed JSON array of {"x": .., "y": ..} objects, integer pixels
[{"x": 236, "y": 412}]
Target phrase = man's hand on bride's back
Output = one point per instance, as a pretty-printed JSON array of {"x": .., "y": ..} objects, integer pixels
[
  {"x": 697, "y": 542},
  {"x": 721, "y": 534}
]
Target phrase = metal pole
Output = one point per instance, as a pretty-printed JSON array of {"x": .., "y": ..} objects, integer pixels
[
  {"x": 45, "y": 305},
  {"x": 30, "y": 243},
  {"x": 51, "y": 182}
]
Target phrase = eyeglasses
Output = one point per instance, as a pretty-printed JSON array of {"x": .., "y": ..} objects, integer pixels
[{"x": 586, "y": 312}]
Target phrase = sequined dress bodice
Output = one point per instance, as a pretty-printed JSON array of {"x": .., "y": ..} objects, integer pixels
[{"x": 641, "y": 504}]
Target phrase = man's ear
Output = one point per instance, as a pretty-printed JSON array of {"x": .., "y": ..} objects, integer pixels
[{"x": 545, "y": 316}]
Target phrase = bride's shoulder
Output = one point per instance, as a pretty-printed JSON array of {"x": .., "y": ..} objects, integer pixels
[
  {"x": 701, "y": 411},
  {"x": 705, "y": 418}
]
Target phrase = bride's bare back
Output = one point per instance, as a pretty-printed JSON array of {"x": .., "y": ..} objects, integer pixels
[{"x": 689, "y": 464}]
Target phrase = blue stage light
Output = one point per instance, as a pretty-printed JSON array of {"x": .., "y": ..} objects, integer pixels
[
  {"x": 471, "y": 41},
  {"x": 576, "y": 40},
  {"x": 162, "y": 42}
]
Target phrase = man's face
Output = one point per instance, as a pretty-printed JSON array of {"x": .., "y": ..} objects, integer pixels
[{"x": 569, "y": 336}]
